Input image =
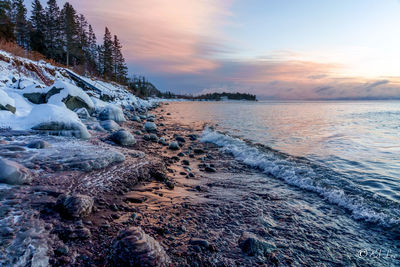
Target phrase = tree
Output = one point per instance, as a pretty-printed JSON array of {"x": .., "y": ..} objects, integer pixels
[
  {"x": 6, "y": 25},
  {"x": 107, "y": 54},
  {"x": 120, "y": 69},
  {"x": 21, "y": 29},
  {"x": 69, "y": 32},
  {"x": 52, "y": 32},
  {"x": 92, "y": 51},
  {"x": 37, "y": 20}
]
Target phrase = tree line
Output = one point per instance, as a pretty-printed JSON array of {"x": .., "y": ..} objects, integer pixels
[
  {"x": 64, "y": 35},
  {"x": 211, "y": 96}
]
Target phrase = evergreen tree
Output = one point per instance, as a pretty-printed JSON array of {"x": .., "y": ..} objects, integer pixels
[
  {"x": 69, "y": 32},
  {"x": 120, "y": 69},
  {"x": 83, "y": 41},
  {"x": 92, "y": 51},
  {"x": 107, "y": 55},
  {"x": 52, "y": 32},
  {"x": 21, "y": 29},
  {"x": 37, "y": 34},
  {"x": 6, "y": 25}
]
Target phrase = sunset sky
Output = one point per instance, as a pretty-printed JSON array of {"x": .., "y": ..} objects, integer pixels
[{"x": 286, "y": 49}]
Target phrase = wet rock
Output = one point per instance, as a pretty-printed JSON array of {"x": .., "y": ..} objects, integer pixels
[
  {"x": 185, "y": 162},
  {"x": 39, "y": 144},
  {"x": 198, "y": 151},
  {"x": 123, "y": 138},
  {"x": 180, "y": 139},
  {"x": 136, "y": 118},
  {"x": 112, "y": 112},
  {"x": 191, "y": 175},
  {"x": 252, "y": 246},
  {"x": 13, "y": 173},
  {"x": 210, "y": 169},
  {"x": 163, "y": 141},
  {"x": 181, "y": 154},
  {"x": 134, "y": 247},
  {"x": 150, "y": 119},
  {"x": 75, "y": 206},
  {"x": 138, "y": 132},
  {"x": 153, "y": 138},
  {"x": 193, "y": 137},
  {"x": 199, "y": 242},
  {"x": 174, "y": 146},
  {"x": 150, "y": 127},
  {"x": 133, "y": 199},
  {"x": 110, "y": 125}
]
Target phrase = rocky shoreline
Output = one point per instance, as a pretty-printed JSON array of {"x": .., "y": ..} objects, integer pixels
[
  {"x": 148, "y": 192},
  {"x": 83, "y": 203}
]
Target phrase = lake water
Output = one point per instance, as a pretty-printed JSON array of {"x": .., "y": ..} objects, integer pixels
[{"x": 346, "y": 152}]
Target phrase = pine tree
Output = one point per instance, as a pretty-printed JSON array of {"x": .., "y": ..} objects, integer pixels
[
  {"x": 37, "y": 20},
  {"x": 92, "y": 51},
  {"x": 52, "y": 32},
  {"x": 6, "y": 25},
  {"x": 120, "y": 69},
  {"x": 21, "y": 29},
  {"x": 107, "y": 55},
  {"x": 69, "y": 32},
  {"x": 83, "y": 41}
]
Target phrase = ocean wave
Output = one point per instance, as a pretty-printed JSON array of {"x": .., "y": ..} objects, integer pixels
[{"x": 299, "y": 174}]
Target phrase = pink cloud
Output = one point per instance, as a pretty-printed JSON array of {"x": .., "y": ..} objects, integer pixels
[{"x": 166, "y": 36}]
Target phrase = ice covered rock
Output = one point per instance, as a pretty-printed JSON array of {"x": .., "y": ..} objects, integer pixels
[
  {"x": 75, "y": 206},
  {"x": 133, "y": 247},
  {"x": 6, "y": 102},
  {"x": 38, "y": 144},
  {"x": 82, "y": 113},
  {"x": 56, "y": 120},
  {"x": 123, "y": 138},
  {"x": 72, "y": 96},
  {"x": 13, "y": 173},
  {"x": 110, "y": 125},
  {"x": 112, "y": 112},
  {"x": 150, "y": 127}
]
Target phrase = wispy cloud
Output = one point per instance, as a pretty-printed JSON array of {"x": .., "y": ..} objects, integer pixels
[{"x": 174, "y": 36}]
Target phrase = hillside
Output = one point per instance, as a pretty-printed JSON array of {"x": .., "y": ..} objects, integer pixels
[{"x": 26, "y": 86}]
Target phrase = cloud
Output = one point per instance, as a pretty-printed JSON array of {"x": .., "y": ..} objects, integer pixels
[{"x": 174, "y": 36}]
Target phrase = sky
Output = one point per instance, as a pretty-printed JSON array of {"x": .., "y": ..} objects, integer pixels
[{"x": 276, "y": 49}]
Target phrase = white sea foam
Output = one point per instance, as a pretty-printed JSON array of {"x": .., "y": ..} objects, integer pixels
[{"x": 296, "y": 174}]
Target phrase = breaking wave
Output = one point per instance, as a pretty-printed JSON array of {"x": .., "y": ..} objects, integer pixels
[{"x": 302, "y": 173}]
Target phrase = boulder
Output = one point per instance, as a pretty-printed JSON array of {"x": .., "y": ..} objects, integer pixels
[
  {"x": 75, "y": 206},
  {"x": 38, "y": 144},
  {"x": 253, "y": 246},
  {"x": 150, "y": 127},
  {"x": 133, "y": 247},
  {"x": 174, "y": 146},
  {"x": 6, "y": 102},
  {"x": 136, "y": 118},
  {"x": 36, "y": 98},
  {"x": 8, "y": 107},
  {"x": 112, "y": 112},
  {"x": 72, "y": 96},
  {"x": 13, "y": 173},
  {"x": 110, "y": 125},
  {"x": 123, "y": 138},
  {"x": 72, "y": 129}
]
